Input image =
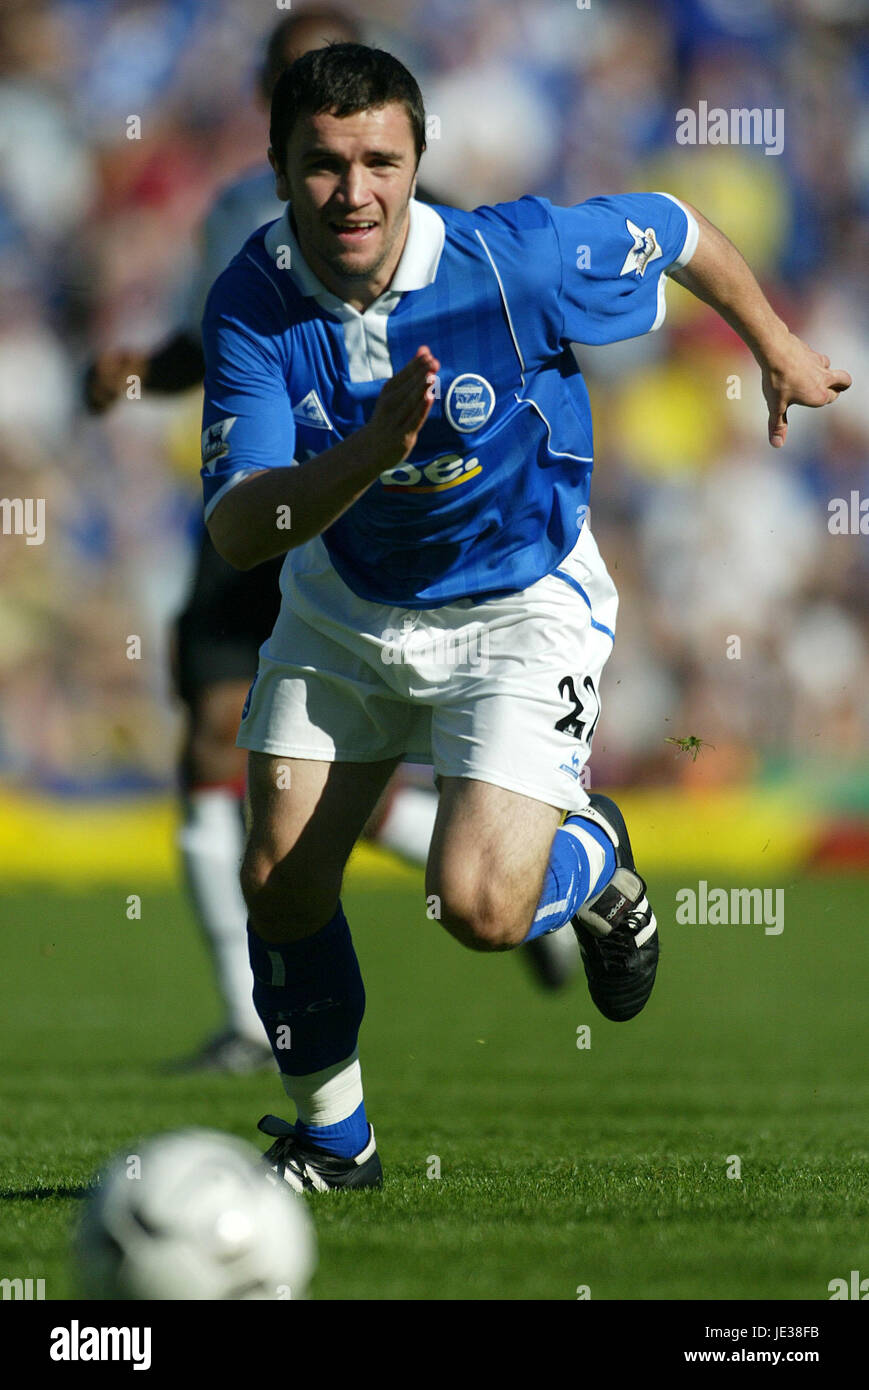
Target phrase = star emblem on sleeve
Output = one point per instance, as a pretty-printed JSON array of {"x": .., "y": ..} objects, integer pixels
[{"x": 644, "y": 249}]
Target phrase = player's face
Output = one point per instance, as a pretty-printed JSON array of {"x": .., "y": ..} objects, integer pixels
[{"x": 349, "y": 180}]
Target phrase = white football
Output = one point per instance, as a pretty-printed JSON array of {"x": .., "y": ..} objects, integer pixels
[{"x": 193, "y": 1215}]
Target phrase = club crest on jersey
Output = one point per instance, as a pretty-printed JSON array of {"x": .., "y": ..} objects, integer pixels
[
  {"x": 214, "y": 445},
  {"x": 469, "y": 402},
  {"x": 310, "y": 411},
  {"x": 644, "y": 249}
]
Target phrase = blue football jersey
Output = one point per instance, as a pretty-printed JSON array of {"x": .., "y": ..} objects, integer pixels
[{"x": 492, "y": 496}]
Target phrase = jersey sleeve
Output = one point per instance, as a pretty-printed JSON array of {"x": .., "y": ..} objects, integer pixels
[
  {"x": 615, "y": 256},
  {"x": 247, "y": 421}
]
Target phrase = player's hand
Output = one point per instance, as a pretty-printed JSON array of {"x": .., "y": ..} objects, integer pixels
[
  {"x": 798, "y": 376},
  {"x": 402, "y": 409},
  {"x": 107, "y": 378}
]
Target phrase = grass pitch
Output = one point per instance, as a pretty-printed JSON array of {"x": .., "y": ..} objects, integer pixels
[{"x": 562, "y": 1169}]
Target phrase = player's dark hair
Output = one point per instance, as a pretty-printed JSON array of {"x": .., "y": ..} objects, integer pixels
[
  {"x": 343, "y": 78},
  {"x": 283, "y": 36}
]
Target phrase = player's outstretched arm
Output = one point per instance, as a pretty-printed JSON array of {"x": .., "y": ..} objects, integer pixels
[
  {"x": 244, "y": 523},
  {"x": 791, "y": 372},
  {"x": 176, "y": 366}
]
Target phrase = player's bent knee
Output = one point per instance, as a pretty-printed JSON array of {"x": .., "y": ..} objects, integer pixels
[
  {"x": 254, "y": 876},
  {"x": 481, "y": 925},
  {"x": 284, "y": 903}
]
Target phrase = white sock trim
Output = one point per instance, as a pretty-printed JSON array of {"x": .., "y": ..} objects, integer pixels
[
  {"x": 327, "y": 1096},
  {"x": 555, "y": 909}
]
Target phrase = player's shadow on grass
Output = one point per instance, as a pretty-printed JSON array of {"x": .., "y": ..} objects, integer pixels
[{"x": 35, "y": 1194}]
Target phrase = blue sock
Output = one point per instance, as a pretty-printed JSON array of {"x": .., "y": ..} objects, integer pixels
[
  {"x": 310, "y": 997},
  {"x": 568, "y": 881},
  {"x": 346, "y": 1137}
]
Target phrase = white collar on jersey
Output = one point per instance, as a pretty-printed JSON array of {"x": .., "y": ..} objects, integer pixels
[{"x": 416, "y": 269}]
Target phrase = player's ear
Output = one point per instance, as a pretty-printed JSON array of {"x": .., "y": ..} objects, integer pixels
[{"x": 282, "y": 186}]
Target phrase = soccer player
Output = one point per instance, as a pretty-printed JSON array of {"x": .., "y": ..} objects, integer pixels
[
  {"x": 392, "y": 403},
  {"x": 227, "y": 617}
]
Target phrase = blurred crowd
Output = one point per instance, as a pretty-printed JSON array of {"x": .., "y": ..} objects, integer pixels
[{"x": 744, "y": 621}]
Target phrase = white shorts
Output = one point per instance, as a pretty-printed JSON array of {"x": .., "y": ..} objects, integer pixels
[{"x": 504, "y": 691}]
